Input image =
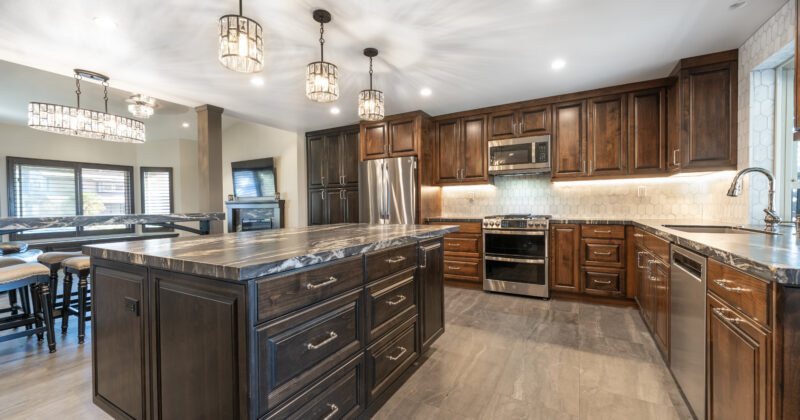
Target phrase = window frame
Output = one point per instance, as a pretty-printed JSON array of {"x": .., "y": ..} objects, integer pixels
[
  {"x": 167, "y": 169},
  {"x": 12, "y": 161},
  {"x": 785, "y": 152}
]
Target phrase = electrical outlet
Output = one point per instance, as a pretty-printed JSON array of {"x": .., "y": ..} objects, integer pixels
[
  {"x": 641, "y": 191},
  {"x": 471, "y": 196}
]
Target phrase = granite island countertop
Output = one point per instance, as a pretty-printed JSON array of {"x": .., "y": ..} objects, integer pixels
[{"x": 243, "y": 256}]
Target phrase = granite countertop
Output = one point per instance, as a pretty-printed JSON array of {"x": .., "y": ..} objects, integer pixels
[
  {"x": 247, "y": 255},
  {"x": 454, "y": 219},
  {"x": 17, "y": 224}
]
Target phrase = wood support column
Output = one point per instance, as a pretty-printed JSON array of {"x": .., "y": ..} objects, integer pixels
[{"x": 209, "y": 162}]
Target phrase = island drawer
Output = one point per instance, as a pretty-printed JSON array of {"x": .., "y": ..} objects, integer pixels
[
  {"x": 294, "y": 351},
  {"x": 390, "y": 301},
  {"x": 603, "y": 281},
  {"x": 281, "y": 295},
  {"x": 390, "y": 356},
  {"x": 339, "y": 395},
  {"x": 392, "y": 260},
  {"x": 603, "y": 231},
  {"x": 603, "y": 252},
  {"x": 740, "y": 290}
]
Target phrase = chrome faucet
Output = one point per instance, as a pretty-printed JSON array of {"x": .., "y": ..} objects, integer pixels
[{"x": 771, "y": 218}]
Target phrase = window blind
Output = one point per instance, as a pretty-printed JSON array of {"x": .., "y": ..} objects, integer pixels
[
  {"x": 42, "y": 191},
  {"x": 105, "y": 191},
  {"x": 156, "y": 191}
]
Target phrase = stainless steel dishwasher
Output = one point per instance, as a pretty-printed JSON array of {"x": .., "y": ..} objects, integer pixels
[{"x": 688, "y": 325}]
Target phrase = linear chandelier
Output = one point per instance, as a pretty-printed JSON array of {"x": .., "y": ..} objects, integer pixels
[{"x": 80, "y": 122}]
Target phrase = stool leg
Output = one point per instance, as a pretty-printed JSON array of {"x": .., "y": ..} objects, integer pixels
[
  {"x": 12, "y": 301},
  {"x": 37, "y": 308},
  {"x": 82, "y": 286},
  {"x": 66, "y": 302},
  {"x": 53, "y": 285},
  {"x": 44, "y": 296},
  {"x": 26, "y": 305}
]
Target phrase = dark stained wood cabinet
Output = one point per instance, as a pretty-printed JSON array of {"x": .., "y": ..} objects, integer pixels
[
  {"x": 647, "y": 131},
  {"x": 463, "y": 255},
  {"x": 661, "y": 304},
  {"x": 707, "y": 96},
  {"x": 652, "y": 288},
  {"x": 461, "y": 150},
  {"x": 739, "y": 358},
  {"x": 564, "y": 258},
  {"x": 394, "y": 136},
  {"x": 607, "y": 135},
  {"x": 529, "y": 121},
  {"x": 431, "y": 292},
  {"x": 568, "y": 147},
  {"x": 332, "y": 157}
]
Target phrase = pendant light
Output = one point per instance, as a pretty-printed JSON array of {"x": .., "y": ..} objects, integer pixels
[
  {"x": 241, "y": 45},
  {"x": 370, "y": 101},
  {"x": 141, "y": 106},
  {"x": 322, "y": 78},
  {"x": 80, "y": 122}
]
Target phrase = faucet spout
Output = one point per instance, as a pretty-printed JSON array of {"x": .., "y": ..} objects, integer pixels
[{"x": 771, "y": 218}]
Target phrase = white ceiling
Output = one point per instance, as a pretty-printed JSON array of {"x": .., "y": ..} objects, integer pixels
[{"x": 470, "y": 53}]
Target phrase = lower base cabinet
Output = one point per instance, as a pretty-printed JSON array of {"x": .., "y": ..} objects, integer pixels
[{"x": 294, "y": 345}]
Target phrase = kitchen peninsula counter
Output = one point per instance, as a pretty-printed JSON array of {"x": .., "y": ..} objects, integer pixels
[{"x": 266, "y": 324}]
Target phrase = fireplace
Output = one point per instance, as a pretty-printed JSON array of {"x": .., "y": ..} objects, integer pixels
[{"x": 247, "y": 215}]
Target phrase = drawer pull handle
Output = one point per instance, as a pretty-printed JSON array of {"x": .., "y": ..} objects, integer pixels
[
  {"x": 607, "y": 253},
  {"x": 724, "y": 284},
  {"x": 332, "y": 336},
  {"x": 602, "y": 231},
  {"x": 602, "y": 281},
  {"x": 396, "y": 259},
  {"x": 328, "y": 282},
  {"x": 639, "y": 260},
  {"x": 454, "y": 268},
  {"x": 334, "y": 409},
  {"x": 638, "y": 235},
  {"x": 454, "y": 244},
  {"x": 732, "y": 320},
  {"x": 400, "y": 299},
  {"x": 399, "y": 355}
]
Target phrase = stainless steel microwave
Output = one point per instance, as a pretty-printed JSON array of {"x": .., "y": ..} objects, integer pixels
[{"x": 522, "y": 155}]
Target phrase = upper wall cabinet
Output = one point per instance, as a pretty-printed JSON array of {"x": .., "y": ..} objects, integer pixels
[
  {"x": 607, "y": 135},
  {"x": 461, "y": 150},
  {"x": 569, "y": 140},
  {"x": 707, "y": 96},
  {"x": 394, "y": 136},
  {"x": 531, "y": 121},
  {"x": 647, "y": 131}
]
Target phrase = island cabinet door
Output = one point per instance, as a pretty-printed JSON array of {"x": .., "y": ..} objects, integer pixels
[
  {"x": 431, "y": 295},
  {"x": 199, "y": 347},
  {"x": 119, "y": 355}
]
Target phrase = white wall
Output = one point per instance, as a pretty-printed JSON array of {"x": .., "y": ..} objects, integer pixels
[{"x": 244, "y": 140}]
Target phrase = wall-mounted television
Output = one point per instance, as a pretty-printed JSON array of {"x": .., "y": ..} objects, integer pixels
[{"x": 254, "y": 178}]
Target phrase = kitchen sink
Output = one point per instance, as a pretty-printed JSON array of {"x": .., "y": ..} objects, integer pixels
[{"x": 719, "y": 229}]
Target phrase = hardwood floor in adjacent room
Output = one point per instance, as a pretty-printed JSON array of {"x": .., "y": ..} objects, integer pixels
[{"x": 501, "y": 357}]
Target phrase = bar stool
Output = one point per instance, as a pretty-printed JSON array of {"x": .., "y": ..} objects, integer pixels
[
  {"x": 12, "y": 294},
  {"x": 13, "y": 247},
  {"x": 80, "y": 267},
  {"x": 53, "y": 260},
  {"x": 35, "y": 276}
]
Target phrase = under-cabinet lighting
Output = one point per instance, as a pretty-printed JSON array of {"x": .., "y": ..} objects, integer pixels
[{"x": 675, "y": 179}]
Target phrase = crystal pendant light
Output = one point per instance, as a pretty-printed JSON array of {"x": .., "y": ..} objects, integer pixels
[
  {"x": 80, "y": 122},
  {"x": 322, "y": 78},
  {"x": 142, "y": 106},
  {"x": 370, "y": 101},
  {"x": 241, "y": 45}
]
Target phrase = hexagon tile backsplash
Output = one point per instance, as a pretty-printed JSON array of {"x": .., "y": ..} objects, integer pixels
[{"x": 677, "y": 197}]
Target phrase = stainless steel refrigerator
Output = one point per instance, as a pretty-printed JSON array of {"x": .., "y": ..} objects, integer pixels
[{"x": 387, "y": 191}]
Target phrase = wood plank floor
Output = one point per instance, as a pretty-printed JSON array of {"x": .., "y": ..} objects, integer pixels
[{"x": 501, "y": 357}]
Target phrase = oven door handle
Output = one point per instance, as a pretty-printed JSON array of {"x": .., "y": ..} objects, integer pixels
[
  {"x": 514, "y": 232},
  {"x": 520, "y": 260}
]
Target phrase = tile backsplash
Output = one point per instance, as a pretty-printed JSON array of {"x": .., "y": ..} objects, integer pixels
[{"x": 677, "y": 197}]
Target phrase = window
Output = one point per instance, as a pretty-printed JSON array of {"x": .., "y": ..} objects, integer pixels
[
  {"x": 157, "y": 194},
  {"x": 787, "y": 162},
  {"x": 45, "y": 188}
]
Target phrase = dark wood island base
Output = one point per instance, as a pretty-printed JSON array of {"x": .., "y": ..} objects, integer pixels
[{"x": 331, "y": 340}]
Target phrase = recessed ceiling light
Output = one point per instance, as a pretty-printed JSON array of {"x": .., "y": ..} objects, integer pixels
[
  {"x": 257, "y": 81},
  {"x": 558, "y": 64},
  {"x": 185, "y": 125},
  {"x": 335, "y": 111},
  {"x": 104, "y": 22},
  {"x": 737, "y": 5},
  {"x": 425, "y": 92}
]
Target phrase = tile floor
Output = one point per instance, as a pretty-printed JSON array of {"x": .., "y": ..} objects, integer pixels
[
  {"x": 501, "y": 357},
  {"x": 508, "y": 357}
]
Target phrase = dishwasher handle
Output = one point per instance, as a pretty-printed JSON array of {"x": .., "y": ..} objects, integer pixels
[{"x": 695, "y": 268}]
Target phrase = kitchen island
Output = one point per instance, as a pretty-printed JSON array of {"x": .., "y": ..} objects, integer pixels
[{"x": 300, "y": 323}]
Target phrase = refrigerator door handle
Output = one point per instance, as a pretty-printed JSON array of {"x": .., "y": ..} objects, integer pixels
[{"x": 386, "y": 192}]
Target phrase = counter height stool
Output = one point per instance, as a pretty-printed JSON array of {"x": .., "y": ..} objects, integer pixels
[
  {"x": 53, "y": 260},
  {"x": 80, "y": 267},
  {"x": 13, "y": 247},
  {"x": 35, "y": 276},
  {"x": 12, "y": 294}
]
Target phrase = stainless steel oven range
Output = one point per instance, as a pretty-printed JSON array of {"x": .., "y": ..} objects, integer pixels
[{"x": 515, "y": 254}]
